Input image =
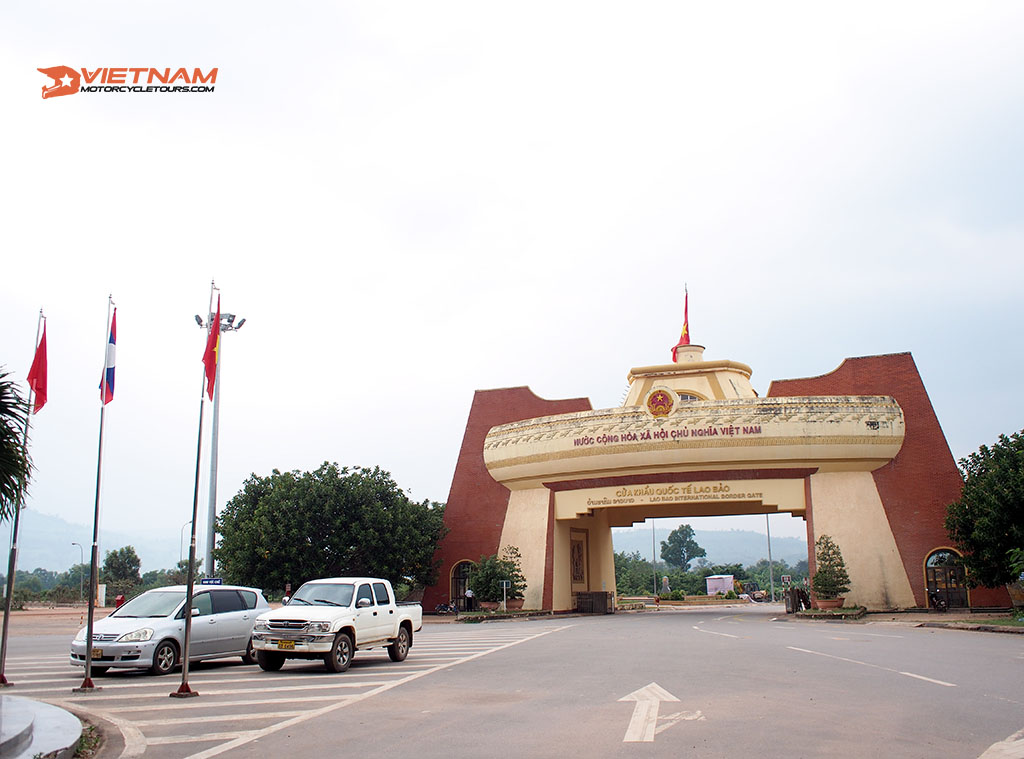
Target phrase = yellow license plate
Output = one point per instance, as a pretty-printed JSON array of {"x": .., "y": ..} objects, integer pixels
[
  {"x": 288, "y": 644},
  {"x": 97, "y": 653}
]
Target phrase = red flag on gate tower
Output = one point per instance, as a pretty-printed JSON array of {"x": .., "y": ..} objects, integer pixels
[
  {"x": 684, "y": 338},
  {"x": 37, "y": 373},
  {"x": 210, "y": 355}
]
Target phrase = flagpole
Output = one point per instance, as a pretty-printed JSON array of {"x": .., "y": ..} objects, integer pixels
[
  {"x": 87, "y": 684},
  {"x": 184, "y": 691},
  {"x": 12, "y": 562}
]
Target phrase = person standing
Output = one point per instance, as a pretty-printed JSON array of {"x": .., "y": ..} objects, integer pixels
[{"x": 469, "y": 599}]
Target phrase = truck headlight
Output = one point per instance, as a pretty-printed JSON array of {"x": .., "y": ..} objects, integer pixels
[
  {"x": 261, "y": 624},
  {"x": 137, "y": 636},
  {"x": 319, "y": 626}
]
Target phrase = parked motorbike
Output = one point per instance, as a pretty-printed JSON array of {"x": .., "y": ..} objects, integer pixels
[{"x": 936, "y": 601}]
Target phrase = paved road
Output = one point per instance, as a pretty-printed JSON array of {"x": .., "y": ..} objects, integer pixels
[{"x": 748, "y": 683}]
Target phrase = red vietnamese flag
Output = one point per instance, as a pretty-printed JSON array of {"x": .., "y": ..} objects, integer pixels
[
  {"x": 37, "y": 374},
  {"x": 684, "y": 338},
  {"x": 210, "y": 356}
]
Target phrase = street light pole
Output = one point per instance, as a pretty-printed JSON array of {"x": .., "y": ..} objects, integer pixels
[
  {"x": 227, "y": 324},
  {"x": 81, "y": 562},
  {"x": 181, "y": 541},
  {"x": 771, "y": 569}
]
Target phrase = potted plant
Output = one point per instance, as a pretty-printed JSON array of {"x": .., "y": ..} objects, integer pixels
[
  {"x": 488, "y": 574},
  {"x": 830, "y": 579}
]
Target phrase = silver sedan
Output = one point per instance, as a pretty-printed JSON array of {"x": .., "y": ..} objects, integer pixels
[{"x": 148, "y": 632}]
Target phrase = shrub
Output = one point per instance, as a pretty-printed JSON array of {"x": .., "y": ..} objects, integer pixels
[{"x": 830, "y": 577}]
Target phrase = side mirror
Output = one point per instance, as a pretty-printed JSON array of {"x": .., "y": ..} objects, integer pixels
[
  {"x": 285, "y": 600},
  {"x": 195, "y": 612},
  {"x": 362, "y": 603}
]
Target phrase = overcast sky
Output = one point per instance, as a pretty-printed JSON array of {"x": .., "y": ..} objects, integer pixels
[{"x": 411, "y": 201}]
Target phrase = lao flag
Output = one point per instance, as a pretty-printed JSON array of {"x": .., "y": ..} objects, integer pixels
[
  {"x": 37, "y": 373},
  {"x": 107, "y": 382}
]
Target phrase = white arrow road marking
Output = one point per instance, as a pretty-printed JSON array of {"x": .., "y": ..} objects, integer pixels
[
  {"x": 1011, "y": 748},
  {"x": 645, "y": 713},
  {"x": 671, "y": 719}
]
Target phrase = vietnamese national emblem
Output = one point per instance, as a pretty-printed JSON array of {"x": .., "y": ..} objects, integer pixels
[{"x": 659, "y": 403}]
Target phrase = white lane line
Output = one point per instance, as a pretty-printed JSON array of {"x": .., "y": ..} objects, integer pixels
[
  {"x": 256, "y": 734},
  {"x": 166, "y": 740},
  {"x": 1011, "y": 748},
  {"x": 190, "y": 704},
  {"x": 874, "y": 666},
  {"x": 90, "y": 697},
  {"x": 214, "y": 718},
  {"x": 712, "y": 632},
  {"x": 928, "y": 679}
]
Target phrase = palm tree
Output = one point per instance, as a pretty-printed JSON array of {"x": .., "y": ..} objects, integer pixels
[{"x": 15, "y": 464}]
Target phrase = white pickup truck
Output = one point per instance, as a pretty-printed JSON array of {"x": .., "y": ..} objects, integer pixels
[{"x": 331, "y": 619}]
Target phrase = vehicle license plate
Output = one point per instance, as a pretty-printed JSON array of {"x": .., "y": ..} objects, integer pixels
[
  {"x": 289, "y": 644},
  {"x": 97, "y": 653}
]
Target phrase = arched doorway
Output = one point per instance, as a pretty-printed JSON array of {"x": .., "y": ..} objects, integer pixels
[
  {"x": 946, "y": 577},
  {"x": 460, "y": 581}
]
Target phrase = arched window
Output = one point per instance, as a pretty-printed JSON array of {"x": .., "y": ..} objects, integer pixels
[
  {"x": 687, "y": 397},
  {"x": 944, "y": 557}
]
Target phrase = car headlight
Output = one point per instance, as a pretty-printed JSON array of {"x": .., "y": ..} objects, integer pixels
[
  {"x": 137, "y": 636},
  {"x": 81, "y": 634},
  {"x": 319, "y": 626},
  {"x": 261, "y": 624}
]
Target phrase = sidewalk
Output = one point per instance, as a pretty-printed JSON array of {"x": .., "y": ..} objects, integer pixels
[{"x": 955, "y": 620}]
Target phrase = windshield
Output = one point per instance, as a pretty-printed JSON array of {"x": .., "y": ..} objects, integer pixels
[
  {"x": 324, "y": 594},
  {"x": 152, "y": 604}
]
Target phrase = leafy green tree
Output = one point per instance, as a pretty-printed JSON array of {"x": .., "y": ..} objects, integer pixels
[
  {"x": 830, "y": 577},
  {"x": 987, "y": 523},
  {"x": 491, "y": 570},
  {"x": 681, "y": 548},
  {"x": 15, "y": 464},
  {"x": 75, "y": 578},
  {"x": 633, "y": 575},
  {"x": 297, "y": 526},
  {"x": 121, "y": 569}
]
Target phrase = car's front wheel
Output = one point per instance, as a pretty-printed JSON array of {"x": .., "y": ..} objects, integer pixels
[
  {"x": 269, "y": 661},
  {"x": 341, "y": 654},
  {"x": 165, "y": 658}
]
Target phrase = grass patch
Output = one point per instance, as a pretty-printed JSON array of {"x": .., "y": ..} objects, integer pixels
[
  {"x": 90, "y": 741},
  {"x": 1003, "y": 621}
]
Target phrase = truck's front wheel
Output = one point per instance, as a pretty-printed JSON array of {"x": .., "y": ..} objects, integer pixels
[
  {"x": 341, "y": 654},
  {"x": 269, "y": 661},
  {"x": 399, "y": 647}
]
